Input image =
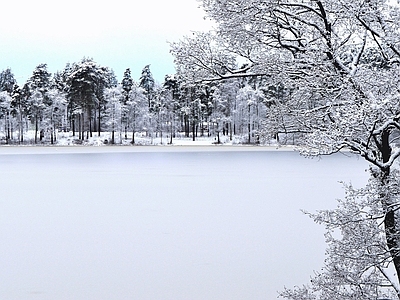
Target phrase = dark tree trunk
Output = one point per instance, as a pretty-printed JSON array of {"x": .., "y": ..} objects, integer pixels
[
  {"x": 99, "y": 121},
  {"x": 73, "y": 126},
  {"x": 79, "y": 127},
  {"x": 171, "y": 132},
  {"x": 249, "y": 126},
  {"x": 392, "y": 220},
  {"x": 90, "y": 125},
  {"x": 36, "y": 128},
  {"x": 21, "y": 129},
  {"x": 83, "y": 126},
  {"x": 187, "y": 127},
  {"x": 194, "y": 130}
]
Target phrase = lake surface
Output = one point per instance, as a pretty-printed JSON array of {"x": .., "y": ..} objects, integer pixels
[{"x": 163, "y": 224}]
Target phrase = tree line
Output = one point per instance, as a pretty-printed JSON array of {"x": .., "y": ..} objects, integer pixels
[{"x": 85, "y": 99}]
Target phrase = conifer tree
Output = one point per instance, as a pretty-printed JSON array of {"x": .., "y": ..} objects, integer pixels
[
  {"x": 127, "y": 83},
  {"x": 7, "y": 81},
  {"x": 146, "y": 82}
]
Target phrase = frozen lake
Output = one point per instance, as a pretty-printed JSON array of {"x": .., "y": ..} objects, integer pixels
[{"x": 162, "y": 223}]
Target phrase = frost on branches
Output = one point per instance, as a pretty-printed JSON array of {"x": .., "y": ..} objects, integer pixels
[
  {"x": 333, "y": 69},
  {"x": 359, "y": 264}
]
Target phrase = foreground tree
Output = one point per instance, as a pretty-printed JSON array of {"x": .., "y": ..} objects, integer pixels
[
  {"x": 340, "y": 60},
  {"x": 358, "y": 264}
]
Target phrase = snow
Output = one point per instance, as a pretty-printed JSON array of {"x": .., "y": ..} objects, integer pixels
[{"x": 162, "y": 222}]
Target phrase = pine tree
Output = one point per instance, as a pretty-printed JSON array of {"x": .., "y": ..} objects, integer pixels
[
  {"x": 146, "y": 82},
  {"x": 37, "y": 99},
  {"x": 19, "y": 109},
  {"x": 127, "y": 83},
  {"x": 7, "y": 81},
  {"x": 40, "y": 81},
  {"x": 86, "y": 82}
]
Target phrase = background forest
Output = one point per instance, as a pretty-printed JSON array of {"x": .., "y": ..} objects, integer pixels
[{"x": 85, "y": 99}]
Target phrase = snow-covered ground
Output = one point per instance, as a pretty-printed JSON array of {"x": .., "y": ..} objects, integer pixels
[
  {"x": 141, "y": 139},
  {"x": 205, "y": 222}
]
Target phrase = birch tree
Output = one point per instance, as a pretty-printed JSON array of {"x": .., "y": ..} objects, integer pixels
[
  {"x": 114, "y": 111},
  {"x": 137, "y": 109}
]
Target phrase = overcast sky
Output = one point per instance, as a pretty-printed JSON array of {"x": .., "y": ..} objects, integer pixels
[{"x": 118, "y": 34}]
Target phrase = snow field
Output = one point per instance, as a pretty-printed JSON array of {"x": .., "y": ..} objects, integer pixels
[{"x": 163, "y": 224}]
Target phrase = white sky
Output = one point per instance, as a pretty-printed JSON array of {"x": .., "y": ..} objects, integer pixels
[{"x": 118, "y": 34}]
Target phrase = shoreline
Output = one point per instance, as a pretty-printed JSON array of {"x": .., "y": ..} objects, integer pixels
[{"x": 61, "y": 149}]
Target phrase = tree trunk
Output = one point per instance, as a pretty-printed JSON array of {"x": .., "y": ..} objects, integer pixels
[
  {"x": 133, "y": 129},
  {"x": 99, "y": 120},
  {"x": 36, "y": 128},
  {"x": 83, "y": 126},
  {"x": 249, "y": 126},
  {"x": 21, "y": 129},
  {"x": 390, "y": 205},
  {"x": 194, "y": 130},
  {"x": 172, "y": 133},
  {"x": 79, "y": 127},
  {"x": 187, "y": 127},
  {"x": 90, "y": 125},
  {"x": 73, "y": 126}
]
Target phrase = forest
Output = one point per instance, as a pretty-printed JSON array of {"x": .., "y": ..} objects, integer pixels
[{"x": 85, "y": 99}]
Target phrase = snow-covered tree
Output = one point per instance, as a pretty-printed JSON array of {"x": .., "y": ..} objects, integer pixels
[
  {"x": 249, "y": 105},
  {"x": 40, "y": 80},
  {"x": 85, "y": 83},
  {"x": 35, "y": 108},
  {"x": 127, "y": 83},
  {"x": 19, "y": 110},
  {"x": 5, "y": 113},
  {"x": 36, "y": 89},
  {"x": 171, "y": 91},
  {"x": 114, "y": 111},
  {"x": 359, "y": 263},
  {"x": 7, "y": 81},
  {"x": 339, "y": 59},
  {"x": 55, "y": 114},
  {"x": 137, "y": 109},
  {"x": 147, "y": 83}
]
